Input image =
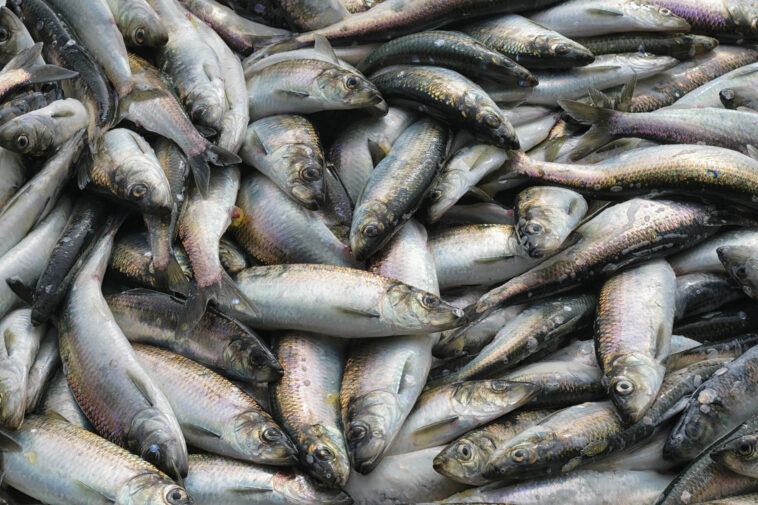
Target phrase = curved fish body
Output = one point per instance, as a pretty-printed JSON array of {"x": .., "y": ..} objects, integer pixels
[
  {"x": 58, "y": 401},
  {"x": 635, "y": 315},
  {"x": 306, "y": 403},
  {"x": 465, "y": 458},
  {"x": 561, "y": 384},
  {"x": 529, "y": 43},
  {"x": 275, "y": 229},
  {"x": 444, "y": 413},
  {"x": 397, "y": 186},
  {"x": 342, "y": 302},
  {"x": 232, "y": 257},
  {"x": 585, "y": 18},
  {"x": 607, "y": 71},
  {"x": 303, "y": 86},
  {"x": 287, "y": 150},
  {"x": 737, "y": 453},
  {"x": 704, "y": 257},
  {"x": 36, "y": 199},
  {"x": 109, "y": 384},
  {"x": 673, "y": 85},
  {"x": 306, "y": 15},
  {"x": 587, "y": 487},
  {"x": 42, "y": 131},
  {"x": 697, "y": 293},
  {"x": 741, "y": 264},
  {"x": 741, "y": 80},
  {"x": 44, "y": 366},
  {"x": 354, "y": 151},
  {"x": 739, "y": 98},
  {"x": 726, "y": 350},
  {"x": 617, "y": 237},
  {"x": 73, "y": 466},
  {"x": 220, "y": 343},
  {"x": 321, "y": 51},
  {"x": 214, "y": 479},
  {"x": 461, "y": 173},
  {"x": 545, "y": 217},
  {"x": 678, "y": 168},
  {"x": 94, "y": 25},
  {"x": 14, "y": 175},
  {"x": 138, "y": 23},
  {"x": 26, "y": 261},
  {"x": 16, "y": 38},
  {"x": 715, "y": 408},
  {"x": 728, "y": 19},
  {"x": 478, "y": 254},
  {"x": 682, "y": 46},
  {"x": 384, "y": 378},
  {"x": 21, "y": 342},
  {"x": 736, "y": 318},
  {"x": 536, "y": 328},
  {"x": 238, "y": 32},
  {"x": 132, "y": 260},
  {"x": 454, "y": 50},
  {"x": 477, "y": 213},
  {"x": 215, "y": 415},
  {"x": 24, "y": 70},
  {"x": 448, "y": 96}
]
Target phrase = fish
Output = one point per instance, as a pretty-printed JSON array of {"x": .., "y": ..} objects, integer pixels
[
  {"x": 561, "y": 383},
  {"x": 737, "y": 454},
  {"x": 729, "y": 320},
  {"x": 727, "y": 19},
  {"x": 109, "y": 384},
  {"x": 697, "y": 293},
  {"x": 58, "y": 402},
  {"x": 704, "y": 257},
  {"x": 138, "y": 23},
  {"x": 728, "y": 349},
  {"x": 306, "y": 15},
  {"x": 132, "y": 261},
  {"x": 397, "y": 186},
  {"x": 14, "y": 37},
  {"x": 44, "y": 130},
  {"x": 738, "y": 98},
  {"x": 528, "y": 43},
  {"x": 217, "y": 342},
  {"x": 739, "y": 263},
  {"x": 45, "y": 364},
  {"x": 682, "y": 46},
  {"x": 24, "y": 69},
  {"x": 74, "y": 466}
]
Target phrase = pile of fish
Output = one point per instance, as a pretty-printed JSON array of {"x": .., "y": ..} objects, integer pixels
[{"x": 379, "y": 252}]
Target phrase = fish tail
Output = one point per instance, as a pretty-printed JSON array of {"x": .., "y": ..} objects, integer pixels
[
  {"x": 598, "y": 117},
  {"x": 275, "y": 44},
  {"x": 586, "y": 114},
  {"x": 213, "y": 155},
  {"x": 27, "y": 60},
  {"x": 175, "y": 278},
  {"x": 227, "y": 297}
]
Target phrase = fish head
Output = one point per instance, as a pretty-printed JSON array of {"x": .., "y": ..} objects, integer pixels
[
  {"x": 152, "y": 488},
  {"x": 13, "y": 34},
  {"x": 12, "y": 397},
  {"x": 255, "y": 435},
  {"x": 635, "y": 381},
  {"x": 207, "y": 104},
  {"x": 491, "y": 397},
  {"x": 541, "y": 230},
  {"x": 444, "y": 193},
  {"x": 562, "y": 47},
  {"x": 348, "y": 89},
  {"x": 28, "y": 134},
  {"x": 516, "y": 458},
  {"x": 654, "y": 17},
  {"x": 249, "y": 359},
  {"x": 323, "y": 454},
  {"x": 701, "y": 44},
  {"x": 410, "y": 308},
  {"x": 644, "y": 63},
  {"x": 738, "y": 454},
  {"x": 464, "y": 461},
  {"x": 141, "y": 26},
  {"x": 297, "y": 489},
  {"x": 370, "y": 424},
  {"x": 306, "y": 168},
  {"x": 159, "y": 441},
  {"x": 144, "y": 184},
  {"x": 370, "y": 229},
  {"x": 700, "y": 425},
  {"x": 493, "y": 125},
  {"x": 745, "y": 16},
  {"x": 741, "y": 263}
]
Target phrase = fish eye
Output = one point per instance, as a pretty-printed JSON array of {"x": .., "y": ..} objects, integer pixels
[
  {"x": 176, "y": 496},
  {"x": 624, "y": 387},
  {"x": 310, "y": 174},
  {"x": 561, "y": 49},
  {"x": 139, "y": 35},
  {"x": 22, "y": 142},
  {"x": 745, "y": 448},
  {"x": 533, "y": 228},
  {"x": 463, "y": 451},
  {"x": 435, "y": 195},
  {"x": 727, "y": 94},
  {"x": 498, "y": 385},
  {"x": 356, "y": 432},
  {"x": 351, "y": 82},
  {"x": 665, "y": 11},
  {"x": 271, "y": 434},
  {"x": 741, "y": 273},
  {"x": 153, "y": 454},
  {"x": 371, "y": 230},
  {"x": 4, "y": 35},
  {"x": 491, "y": 120},
  {"x": 429, "y": 301},
  {"x": 518, "y": 456},
  {"x": 138, "y": 191},
  {"x": 324, "y": 454}
]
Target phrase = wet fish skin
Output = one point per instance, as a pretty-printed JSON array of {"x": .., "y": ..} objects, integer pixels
[
  {"x": 397, "y": 186},
  {"x": 120, "y": 400},
  {"x": 545, "y": 218},
  {"x": 734, "y": 319},
  {"x": 715, "y": 408},
  {"x": 45, "y": 364},
  {"x": 453, "y": 50},
  {"x": 287, "y": 149},
  {"x": 216, "y": 415},
  {"x": 449, "y": 96},
  {"x": 215, "y": 479},
  {"x": 15, "y": 37},
  {"x": 682, "y": 46},
  {"x": 76, "y": 466},
  {"x": 739, "y": 98},
  {"x": 232, "y": 256},
  {"x": 132, "y": 261},
  {"x": 704, "y": 257},
  {"x": 728, "y": 349},
  {"x": 21, "y": 343},
  {"x": 138, "y": 23},
  {"x": 697, "y": 293},
  {"x": 739, "y": 262},
  {"x": 306, "y": 402},
  {"x": 727, "y": 19},
  {"x": 529, "y": 43},
  {"x": 150, "y": 317},
  {"x": 585, "y": 18},
  {"x": 464, "y": 459},
  {"x": 561, "y": 384},
  {"x": 22, "y": 104},
  {"x": 24, "y": 69},
  {"x": 42, "y": 131},
  {"x": 58, "y": 402}
]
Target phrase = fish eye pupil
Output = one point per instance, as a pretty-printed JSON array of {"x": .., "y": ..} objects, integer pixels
[
  {"x": 271, "y": 434},
  {"x": 745, "y": 449},
  {"x": 624, "y": 387},
  {"x": 741, "y": 272},
  {"x": 324, "y": 453},
  {"x": 356, "y": 433},
  {"x": 311, "y": 174},
  {"x": 371, "y": 230},
  {"x": 518, "y": 456},
  {"x": 139, "y": 35},
  {"x": 4, "y": 35},
  {"x": 22, "y": 141},
  {"x": 561, "y": 49},
  {"x": 351, "y": 82},
  {"x": 139, "y": 190},
  {"x": 491, "y": 120},
  {"x": 430, "y": 301}
]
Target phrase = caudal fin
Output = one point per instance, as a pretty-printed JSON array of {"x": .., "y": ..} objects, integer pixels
[
  {"x": 597, "y": 136},
  {"x": 227, "y": 297},
  {"x": 586, "y": 114},
  {"x": 201, "y": 170}
]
